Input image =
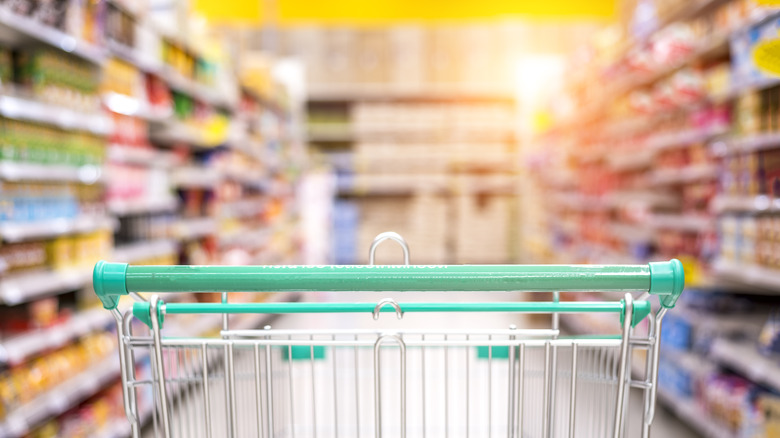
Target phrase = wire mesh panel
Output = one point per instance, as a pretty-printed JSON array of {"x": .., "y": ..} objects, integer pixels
[{"x": 269, "y": 383}]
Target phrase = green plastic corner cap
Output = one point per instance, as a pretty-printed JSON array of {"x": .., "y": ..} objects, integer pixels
[
  {"x": 641, "y": 310},
  {"x": 667, "y": 280},
  {"x": 108, "y": 280},
  {"x": 142, "y": 312}
]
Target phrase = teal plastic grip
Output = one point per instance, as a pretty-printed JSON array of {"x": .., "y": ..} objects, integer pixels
[
  {"x": 108, "y": 280},
  {"x": 418, "y": 278},
  {"x": 142, "y": 312},
  {"x": 667, "y": 280},
  {"x": 641, "y": 308}
]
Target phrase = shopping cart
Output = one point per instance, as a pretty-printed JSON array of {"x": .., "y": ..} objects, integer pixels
[{"x": 399, "y": 383}]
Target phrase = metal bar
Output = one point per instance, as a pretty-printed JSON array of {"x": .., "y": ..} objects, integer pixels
[
  {"x": 205, "y": 382},
  {"x": 650, "y": 408},
  {"x": 335, "y": 394},
  {"x": 422, "y": 365},
  {"x": 231, "y": 392},
  {"x": 520, "y": 382},
  {"x": 546, "y": 398},
  {"x": 158, "y": 362},
  {"x": 269, "y": 402},
  {"x": 623, "y": 366},
  {"x": 357, "y": 391},
  {"x": 125, "y": 359},
  {"x": 378, "y": 384},
  {"x": 510, "y": 424},
  {"x": 468, "y": 389},
  {"x": 490, "y": 389},
  {"x": 539, "y": 333},
  {"x": 573, "y": 391},
  {"x": 553, "y": 389},
  {"x": 292, "y": 392},
  {"x": 446, "y": 390},
  {"x": 313, "y": 391},
  {"x": 313, "y": 307},
  {"x": 606, "y": 342},
  {"x": 258, "y": 391}
]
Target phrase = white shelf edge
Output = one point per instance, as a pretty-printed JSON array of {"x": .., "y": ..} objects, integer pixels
[
  {"x": 748, "y": 361},
  {"x": 134, "y": 252},
  {"x": 34, "y": 30},
  {"x": 23, "y": 287},
  {"x": 17, "y": 232},
  {"x": 124, "y": 208},
  {"x": 749, "y": 275},
  {"x": 687, "y": 410},
  {"x": 19, "y": 171},
  {"x": 25, "y": 109},
  {"x": 20, "y": 347},
  {"x": 62, "y": 397}
]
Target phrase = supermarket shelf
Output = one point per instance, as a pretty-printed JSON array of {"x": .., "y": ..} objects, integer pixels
[
  {"x": 15, "y": 232},
  {"x": 202, "y": 92},
  {"x": 247, "y": 238},
  {"x": 581, "y": 202},
  {"x": 747, "y": 204},
  {"x": 684, "y": 138},
  {"x": 20, "y": 29},
  {"x": 682, "y": 222},
  {"x": 131, "y": 106},
  {"x": 195, "y": 177},
  {"x": 14, "y": 171},
  {"x": 623, "y": 198},
  {"x": 241, "y": 209},
  {"x": 256, "y": 180},
  {"x": 62, "y": 397},
  {"x": 141, "y": 156},
  {"x": 631, "y": 233},
  {"x": 756, "y": 279},
  {"x": 749, "y": 143},
  {"x": 685, "y": 175},
  {"x": 384, "y": 92},
  {"x": 194, "y": 228},
  {"x": 134, "y": 57},
  {"x": 139, "y": 206},
  {"x": 745, "y": 359},
  {"x": 17, "y": 349},
  {"x": 631, "y": 161},
  {"x": 687, "y": 410},
  {"x": 174, "y": 132},
  {"x": 27, "y": 286},
  {"x": 324, "y": 132},
  {"x": 27, "y": 109},
  {"x": 135, "y": 252}
]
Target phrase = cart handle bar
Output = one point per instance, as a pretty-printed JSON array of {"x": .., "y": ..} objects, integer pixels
[
  {"x": 665, "y": 279},
  {"x": 141, "y": 310}
]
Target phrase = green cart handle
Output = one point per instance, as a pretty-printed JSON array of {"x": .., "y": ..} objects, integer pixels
[
  {"x": 665, "y": 279},
  {"x": 641, "y": 308}
]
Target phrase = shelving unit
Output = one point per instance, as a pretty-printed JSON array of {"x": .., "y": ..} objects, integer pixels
[
  {"x": 638, "y": 134},
  {"x": 246, "y": 184},
  {"x": 385, "y": 155}
]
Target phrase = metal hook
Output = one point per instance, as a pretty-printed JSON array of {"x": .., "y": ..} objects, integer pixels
[
  {"x": 381, "y": 237},
  {"x": 382, "y": 303}
]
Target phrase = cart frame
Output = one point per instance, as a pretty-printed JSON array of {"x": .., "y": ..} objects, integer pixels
[{"x": 662, "y": 279}]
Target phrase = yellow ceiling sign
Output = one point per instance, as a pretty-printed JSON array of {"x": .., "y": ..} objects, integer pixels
[
  {"x": 236, "y": 11},
  {"x": 381, "y": 12}
]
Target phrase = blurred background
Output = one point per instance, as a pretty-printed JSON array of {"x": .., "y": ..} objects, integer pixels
[{"x": 293, "y": 132}]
